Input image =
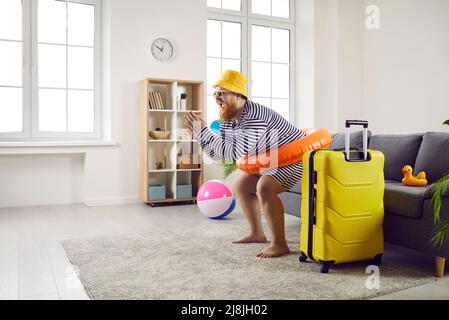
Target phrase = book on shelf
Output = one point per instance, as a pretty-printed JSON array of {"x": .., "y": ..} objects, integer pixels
[
  {"x": 159, "y": 98},
  {"x": 152, "y": 103},
  {"x": 155, "y": 101}
]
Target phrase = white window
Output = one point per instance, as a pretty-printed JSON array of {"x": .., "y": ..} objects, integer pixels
[
  {"x": 273, "y": 8},
  {"x": 263, "y": 50},
  {"x": 225, "y": 4},
  {"x": 224, "y": 39},
  {"x": 50, "y": 69}
]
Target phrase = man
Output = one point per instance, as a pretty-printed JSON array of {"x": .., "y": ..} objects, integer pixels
[{"x": 249, "y": 128}]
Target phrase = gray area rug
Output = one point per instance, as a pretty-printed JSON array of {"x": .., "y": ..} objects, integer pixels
[{"x": 193, "y": 265}]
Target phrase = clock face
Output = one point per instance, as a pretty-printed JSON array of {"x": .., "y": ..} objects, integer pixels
[{"x": 161, "y": 49}]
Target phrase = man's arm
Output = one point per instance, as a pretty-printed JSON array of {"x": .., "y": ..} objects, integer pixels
[{"x": 219, "y": 147}]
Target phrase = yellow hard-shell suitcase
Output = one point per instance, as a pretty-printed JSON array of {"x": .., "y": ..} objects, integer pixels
[{"x": 342, "y": 205}]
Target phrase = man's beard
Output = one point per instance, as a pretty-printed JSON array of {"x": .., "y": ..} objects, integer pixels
[{"x": 229, "y": 112}]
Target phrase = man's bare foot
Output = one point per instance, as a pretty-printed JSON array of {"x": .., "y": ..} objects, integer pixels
[
  {"x": 275, "y": 250},
  {"x": 252, "y": 238}
]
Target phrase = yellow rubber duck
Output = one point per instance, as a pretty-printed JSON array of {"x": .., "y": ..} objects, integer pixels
[{"x": 409, "y": 180}]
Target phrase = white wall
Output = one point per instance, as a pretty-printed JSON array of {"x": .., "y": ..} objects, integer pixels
[
  {"x": 396, "y": 77},
  {"x": 305, "y": 63},
  {"x": 407, "y": 67},
  {"x": 339, "y": 58},
  {"x": 39, "y": 179},
  {"x": 111, "y": 173}
]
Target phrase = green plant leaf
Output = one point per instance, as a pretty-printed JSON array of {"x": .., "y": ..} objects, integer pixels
[
  {"x": 441, "y": 234},
  {"x": 446, "y": 122},
  {"x": 229, "y": 167},
  {"x": 437, "y": 189}
]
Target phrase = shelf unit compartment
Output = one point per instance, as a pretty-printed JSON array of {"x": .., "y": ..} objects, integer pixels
[
  {"x": 194, "y": 93},
  {"x": 182, "y": 133},
  {"x": 163, "y": 120},
  {"x": 192, "y": 178},
  {"x": 167, "y": 179},
  {"x": 161, "y": 151},
  {"x": 188, "y": 155},
  {"x": 165, "y": 88}
]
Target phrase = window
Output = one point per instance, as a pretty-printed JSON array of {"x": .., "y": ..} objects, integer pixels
[
  {"x": 50, "y": 52},
  {"x": 270, "y": 61},
  {"x": 274, "y": 8},
  {"x": 256, "y": 38},
  {"x": 225, "y": 4},
  {"x": 11, "y": 86},
  {"x": 223, "y": 52}
]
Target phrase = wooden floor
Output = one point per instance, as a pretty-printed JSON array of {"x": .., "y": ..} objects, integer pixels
[{"x": 33, "y": 264}]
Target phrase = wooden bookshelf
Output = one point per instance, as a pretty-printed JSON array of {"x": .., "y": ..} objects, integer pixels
[{"x": 168, "y": 118}]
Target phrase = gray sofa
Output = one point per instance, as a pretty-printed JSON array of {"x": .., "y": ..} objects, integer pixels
[{"x": 408, "y": 218}]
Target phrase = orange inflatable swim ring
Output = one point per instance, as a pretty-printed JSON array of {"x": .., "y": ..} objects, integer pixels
[{"x": 288, "y": 154}]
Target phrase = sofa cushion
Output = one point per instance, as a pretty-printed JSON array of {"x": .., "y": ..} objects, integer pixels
[
  {"x": 296, "y": 188},
  {"x": 399, "y": 150},
  {"x": 356, "y": 140},
  {"x": 403, "y": 200},
  {"x": 433, "y": 156},
  {"x": 291, "y": 202}
]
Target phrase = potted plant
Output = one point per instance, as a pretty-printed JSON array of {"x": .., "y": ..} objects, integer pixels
[
  {"x": 441, "y": 234},
  {"x": 438, "y": 188}
]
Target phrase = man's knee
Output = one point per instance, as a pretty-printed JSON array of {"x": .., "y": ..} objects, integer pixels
[
  {"x": 243, "y": 184},
  {"x": 267, "y": 189}
]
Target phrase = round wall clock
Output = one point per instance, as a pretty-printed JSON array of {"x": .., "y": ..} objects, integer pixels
[{"x": 162, "y": 49}]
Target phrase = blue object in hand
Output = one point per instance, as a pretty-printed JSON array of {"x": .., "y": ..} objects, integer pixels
[{"x": 215, "y": 126}]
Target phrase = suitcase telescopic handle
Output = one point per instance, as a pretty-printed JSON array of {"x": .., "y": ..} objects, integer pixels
[{"x": 349, "y": 124}]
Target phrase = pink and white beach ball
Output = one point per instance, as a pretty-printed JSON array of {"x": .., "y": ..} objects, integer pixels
[{"x": 215, "y": 199}]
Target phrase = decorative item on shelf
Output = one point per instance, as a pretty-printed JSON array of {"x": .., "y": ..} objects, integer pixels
[
  {"x": 183, "y": 102},
  {"x": 159, "y": 134},
  {"x": 156, "y": 192},
  {"x": 188, "y": 161},
  {"x": 155, "y": 101},
  {"x": 184, "y": 191},
  {"x": 183, "y": 134},
  {"x": 160, "y": 163}
]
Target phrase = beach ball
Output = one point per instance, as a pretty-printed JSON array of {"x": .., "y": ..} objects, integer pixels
[
  {"x": 215, "y": 199},
  {"x": 215, "y": 126}
]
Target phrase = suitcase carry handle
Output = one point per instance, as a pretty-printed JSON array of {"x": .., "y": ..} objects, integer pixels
[{"x": 349, "y": 124}]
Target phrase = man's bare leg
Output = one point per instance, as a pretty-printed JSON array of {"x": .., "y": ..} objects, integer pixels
[
  {"x": 245, "y": 188},
  {"x": 267, "y": 191}
]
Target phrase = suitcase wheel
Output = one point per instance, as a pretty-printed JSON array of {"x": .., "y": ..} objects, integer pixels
[
  {"x": 377, "y": 260},
  {"x": 302, "y": 257},
  {"x": 326, "y": 266}
]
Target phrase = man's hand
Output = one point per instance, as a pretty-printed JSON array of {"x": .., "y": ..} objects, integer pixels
[{"x": 194, "y": 122}]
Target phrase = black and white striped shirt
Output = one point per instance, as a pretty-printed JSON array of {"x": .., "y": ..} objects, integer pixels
[{"x": 260, "y": 129}]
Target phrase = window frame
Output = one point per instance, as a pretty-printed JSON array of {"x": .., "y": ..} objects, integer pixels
[
  {"x": 290, "y": 20},
  {"x": 248, "y": 19},
  {"x": 277, "y": 25},
  {"x": 30, "y": 84}
]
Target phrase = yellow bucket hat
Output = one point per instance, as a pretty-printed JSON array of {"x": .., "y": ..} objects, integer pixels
[{"x": 233, "y": 81}]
